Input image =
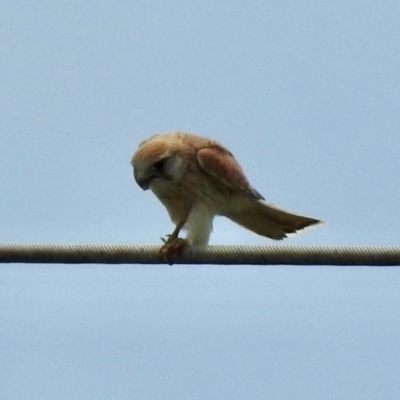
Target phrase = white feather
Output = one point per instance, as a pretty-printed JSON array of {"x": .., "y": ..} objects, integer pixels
[{"x": 199, "y": 225}]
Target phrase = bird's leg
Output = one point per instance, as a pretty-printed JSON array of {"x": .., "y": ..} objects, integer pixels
[{"x": 172, "y": 244}]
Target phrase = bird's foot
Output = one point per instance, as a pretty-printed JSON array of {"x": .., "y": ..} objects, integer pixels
[{"x": 172, "y": 245}]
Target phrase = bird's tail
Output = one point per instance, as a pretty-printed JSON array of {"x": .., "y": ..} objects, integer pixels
[{"x": 268, "y": 220}]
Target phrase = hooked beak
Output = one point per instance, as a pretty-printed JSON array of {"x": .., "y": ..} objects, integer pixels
[{"x": 142, "y": 180}]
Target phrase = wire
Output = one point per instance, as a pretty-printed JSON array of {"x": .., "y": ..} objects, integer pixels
[{"x": 227, "y": 255}]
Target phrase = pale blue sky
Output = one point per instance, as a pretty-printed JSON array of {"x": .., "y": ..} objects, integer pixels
[{"x": 306, "y": 96}]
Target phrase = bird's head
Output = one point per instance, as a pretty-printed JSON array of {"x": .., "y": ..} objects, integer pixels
[{"x": 156, "y": 160}]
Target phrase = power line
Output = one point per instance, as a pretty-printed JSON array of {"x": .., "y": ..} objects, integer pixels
[{"x": 227, "y": 255}]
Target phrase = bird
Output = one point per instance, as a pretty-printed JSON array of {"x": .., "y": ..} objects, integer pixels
[{"x": 196, "y": 179}]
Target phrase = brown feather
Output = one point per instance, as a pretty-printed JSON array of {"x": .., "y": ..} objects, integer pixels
[
  {"x": 266, "y": 219},
  {"x": 221, "y": 164}
]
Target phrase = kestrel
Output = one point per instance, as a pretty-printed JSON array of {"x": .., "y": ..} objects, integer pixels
[{"x": 196, "y": 179}]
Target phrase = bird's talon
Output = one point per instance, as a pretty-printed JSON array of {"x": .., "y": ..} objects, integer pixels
[
  {"x": 166, "y": 239},
  {"x": 171, "y": 247}
]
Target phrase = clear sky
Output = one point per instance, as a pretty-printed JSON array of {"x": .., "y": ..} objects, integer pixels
[{"x": 306, "y": 96}]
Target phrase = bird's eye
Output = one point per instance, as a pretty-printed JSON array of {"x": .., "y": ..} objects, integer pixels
[{"x": 159, "y": 165}]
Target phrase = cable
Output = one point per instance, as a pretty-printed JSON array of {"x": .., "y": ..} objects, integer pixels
[{"x": 227, "y": 255}]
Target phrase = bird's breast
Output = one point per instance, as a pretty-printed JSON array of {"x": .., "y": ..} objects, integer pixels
[
  {"x": 174, "y": 198},
  {"x": 180, "y": 198}
]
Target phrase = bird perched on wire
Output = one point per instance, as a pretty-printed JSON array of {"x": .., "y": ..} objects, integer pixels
[{"x": 196, "y": 179}]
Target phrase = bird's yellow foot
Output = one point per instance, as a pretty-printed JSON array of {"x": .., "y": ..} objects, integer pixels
[{"x": 172, "y": 245}]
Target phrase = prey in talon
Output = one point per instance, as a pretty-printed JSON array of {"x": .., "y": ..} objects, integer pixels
[
  {"x": 170, "y": 248},
  {"x": 197, "y": 179},
  {"x": 172, "y": 244}
]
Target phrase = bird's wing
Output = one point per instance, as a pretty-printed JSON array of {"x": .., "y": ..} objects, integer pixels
[
  {"x": 252, "y": 211},
  {"x": 220, "y": 163}
]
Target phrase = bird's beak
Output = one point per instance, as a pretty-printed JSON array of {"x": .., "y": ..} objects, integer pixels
[{"x": 142, "y": 179}]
